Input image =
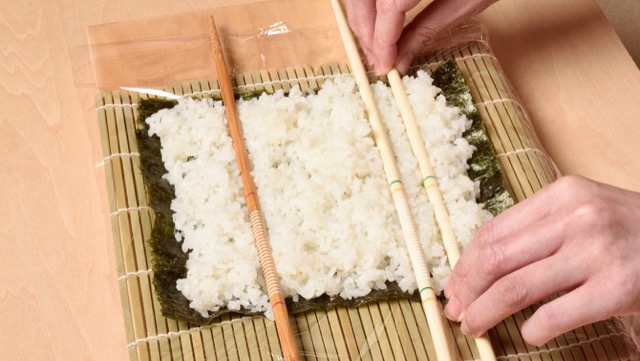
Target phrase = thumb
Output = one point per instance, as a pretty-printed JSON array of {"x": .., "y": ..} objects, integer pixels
[
  {"x": 439, "y": 17},
  {"x": 390, "y": 17}
]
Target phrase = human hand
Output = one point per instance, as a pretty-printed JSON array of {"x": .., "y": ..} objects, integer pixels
[
  {"x": 575, "y": 235},
  {"x": 378, "y": 25}
]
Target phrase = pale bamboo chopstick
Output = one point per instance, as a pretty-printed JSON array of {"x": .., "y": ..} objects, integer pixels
[
  {"x": 258, "y": 227},
  {"x": 432, "y": 189},
  {"x": 429, "y": 180},
  {"x": 430, "y": 304}
]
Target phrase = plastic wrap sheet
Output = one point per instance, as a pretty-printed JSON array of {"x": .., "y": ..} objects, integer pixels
[
  {"x": 275, "y": 45},
  {"x": 166, "y": 50}
]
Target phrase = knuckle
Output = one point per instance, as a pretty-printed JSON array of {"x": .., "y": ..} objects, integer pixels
[
  {"x": 570, "y": 182},
  {"x": 395, "y": 6},
  {"x": 468, "y": 291},
  {"x": 426, "y": 33},
  {"x": 383, "y": 41},
  {"x": 513, "y": 292},
  {"x": 492, "y": 260},
  {"x": 386, "y": 6},
  {"x": 591, "y": 211},
  {"x": 485, "y": 233},
  {"x": 599, "y": 218},
  {"x": 462, "y": 268},
  {"x": 575, "y": 186}
]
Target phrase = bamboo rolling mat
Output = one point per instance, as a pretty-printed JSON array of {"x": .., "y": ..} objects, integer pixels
[{"x": 387, "y": 330}]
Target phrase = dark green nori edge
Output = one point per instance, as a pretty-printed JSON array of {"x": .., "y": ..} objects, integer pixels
[
  {"x": 324, "y": 302},
  {"x": 169, "y": 261},
  {"x": 483, "y": 164}
]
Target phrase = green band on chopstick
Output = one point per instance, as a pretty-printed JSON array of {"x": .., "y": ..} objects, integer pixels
[
  {"x": 427, "y": 178},
  {"x": 395, "y": 181},
  {"x": 426, "y": 288}
]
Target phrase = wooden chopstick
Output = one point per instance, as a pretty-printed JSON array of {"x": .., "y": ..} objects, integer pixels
[
  {"x": 430, "y": 304},
  {"x": 258, "y": 227},
  {"x": 429, "y": 180},
  {"x": 432, "y": 189}
]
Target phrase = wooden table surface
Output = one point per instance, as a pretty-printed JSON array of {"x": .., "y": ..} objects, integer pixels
[{"x": 59, "y": 295}]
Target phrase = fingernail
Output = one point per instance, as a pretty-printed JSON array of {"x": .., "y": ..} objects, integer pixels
[
  {"x": 404, "y": 62},
  {"x": 370, "y": 58},
  {"x": 461, "y": 316},
  {"x": 453, "y": 311},
  {"x": 448, "y": 290},
  {"x": 380, "y": 69},
  {"x": 376, "y": 67},
  {"x": 464, "y": 328}
]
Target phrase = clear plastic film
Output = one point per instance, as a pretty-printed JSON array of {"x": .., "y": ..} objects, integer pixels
[
  {"x": 165, "y": 50},
  {"x": 268, "y": 46}
]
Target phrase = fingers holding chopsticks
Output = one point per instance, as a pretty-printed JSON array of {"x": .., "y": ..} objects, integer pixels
[
  {"x": 575, "y": 236},
  {"x": 379, "y": 27}
]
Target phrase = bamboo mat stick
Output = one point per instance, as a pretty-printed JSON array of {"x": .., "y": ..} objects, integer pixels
[
  {"x": 430, "y": 304},
  {"x": 433, "y": 190},
  {"x": 258, "y": 227}
]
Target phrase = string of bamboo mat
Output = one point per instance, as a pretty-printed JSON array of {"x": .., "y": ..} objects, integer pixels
[
  {"x": 258, "y": 226},
  {"x": 432, "y": 189},
  {"x": 430, "y": 304}
]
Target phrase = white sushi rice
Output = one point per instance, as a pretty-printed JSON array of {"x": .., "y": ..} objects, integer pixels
[
  {"x": 322, "y": 188},
  {"x": 208, "y": 208},
  {"x": 441, "y": 129}
]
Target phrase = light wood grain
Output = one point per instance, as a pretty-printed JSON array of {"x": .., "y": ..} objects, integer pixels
[
  {"x": 59, "y": 295},
  {"x": 580, "y": 87}
]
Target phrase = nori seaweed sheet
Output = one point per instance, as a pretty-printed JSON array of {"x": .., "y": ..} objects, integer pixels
[
  {"x": 169, "y": 261},
  {"x": 483, "y": 164}
]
